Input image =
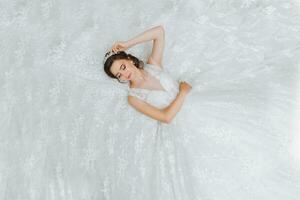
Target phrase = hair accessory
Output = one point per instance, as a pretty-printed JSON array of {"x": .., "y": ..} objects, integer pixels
[{"x": 108, "y": 54}]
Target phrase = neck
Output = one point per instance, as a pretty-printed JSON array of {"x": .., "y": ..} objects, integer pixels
[{"x": 141, "y": 77}]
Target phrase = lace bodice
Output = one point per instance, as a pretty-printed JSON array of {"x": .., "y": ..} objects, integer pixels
[{"x": 157, "y": 98}]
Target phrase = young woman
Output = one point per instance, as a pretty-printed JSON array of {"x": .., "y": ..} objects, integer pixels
[
  {"x": 127, "y": 68},
  {"x": 205, "y": 139}
]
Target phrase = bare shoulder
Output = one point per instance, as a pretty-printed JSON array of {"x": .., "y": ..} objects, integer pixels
[
  {"x": 135, "y": 102},
  {"x": 132, "y": 99},
  {"x": 147, "y": 109}
]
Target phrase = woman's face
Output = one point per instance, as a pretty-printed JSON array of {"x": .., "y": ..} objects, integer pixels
[{"x": 123, "y": 69}]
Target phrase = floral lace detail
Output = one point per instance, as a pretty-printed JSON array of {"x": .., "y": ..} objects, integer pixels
[
  {"x": 139, "y": 93},
  {"x": 67, "y": 131},
  {"x": 156, "y": 71},
  {"x": 142, "y": 93},
  {"x": 157, "y": 98}
]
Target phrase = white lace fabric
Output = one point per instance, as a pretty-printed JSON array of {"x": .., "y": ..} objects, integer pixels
[
  {"x": 68, "y": 133},
  {"x": 157, "y": 98}
]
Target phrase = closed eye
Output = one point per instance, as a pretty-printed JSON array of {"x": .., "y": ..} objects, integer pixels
[{"x": 123, "y": 67}]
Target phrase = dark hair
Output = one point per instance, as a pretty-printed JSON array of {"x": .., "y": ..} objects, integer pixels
[{"x": 121, "y": 55}]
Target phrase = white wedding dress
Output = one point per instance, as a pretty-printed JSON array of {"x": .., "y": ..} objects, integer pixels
[
  {"x": 68, "y": 133},
  {"x": 220, "y": 144}
]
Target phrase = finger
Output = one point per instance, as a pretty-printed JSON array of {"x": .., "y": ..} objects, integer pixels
[{"x": 113, "y": 48}]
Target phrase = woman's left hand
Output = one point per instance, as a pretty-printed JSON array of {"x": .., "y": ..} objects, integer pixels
[
  {"x": 119, "y": 46},
  {"x": 184, "y": 87}
]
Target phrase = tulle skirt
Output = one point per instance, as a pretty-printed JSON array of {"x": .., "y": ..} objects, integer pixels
[{"x": 230, "y": 139}]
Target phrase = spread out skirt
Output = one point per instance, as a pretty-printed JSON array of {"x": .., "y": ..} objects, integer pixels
[{"x": 230, "y": 140}]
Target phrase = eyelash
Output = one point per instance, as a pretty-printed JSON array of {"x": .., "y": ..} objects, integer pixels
[{"x": 122, "y": 69}]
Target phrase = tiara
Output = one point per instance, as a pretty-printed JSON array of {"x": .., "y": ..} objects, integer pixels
[{"x": 108, "y": 54}]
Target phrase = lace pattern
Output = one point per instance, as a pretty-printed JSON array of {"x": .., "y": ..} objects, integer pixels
[
  {"x": 141, "y": 94},
  {"x": 68, "y": 133}
]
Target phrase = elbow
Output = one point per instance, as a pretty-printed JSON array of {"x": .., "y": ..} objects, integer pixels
[
  {"x": 167, "y": 119},
  {"x": 161, "y": 29}
]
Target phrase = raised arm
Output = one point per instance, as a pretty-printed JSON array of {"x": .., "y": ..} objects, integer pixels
[
  {"x": 156, "y": 55},
  {"x": 157, "y": 34}
]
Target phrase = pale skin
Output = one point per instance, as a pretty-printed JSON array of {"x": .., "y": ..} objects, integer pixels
[{"x": 126, "y": 71}]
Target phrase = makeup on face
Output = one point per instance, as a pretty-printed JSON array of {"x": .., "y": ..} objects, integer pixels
[{"x": 120, "y": 73}]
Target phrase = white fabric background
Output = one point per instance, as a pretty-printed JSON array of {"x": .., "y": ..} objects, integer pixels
[{"x": 56, "y": 104}]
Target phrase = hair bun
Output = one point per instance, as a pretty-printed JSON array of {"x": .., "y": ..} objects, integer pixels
[{"x": 141, "y": 64}]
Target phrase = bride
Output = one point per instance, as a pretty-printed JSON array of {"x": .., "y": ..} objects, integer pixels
[
  {"x": 127, "y": 68},
  {"x": 207, "y": 137}
]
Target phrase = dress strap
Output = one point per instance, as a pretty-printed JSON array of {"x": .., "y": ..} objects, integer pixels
[
  {"x": 154, "y": 70},
  {"x": 141, "y": 94}
]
